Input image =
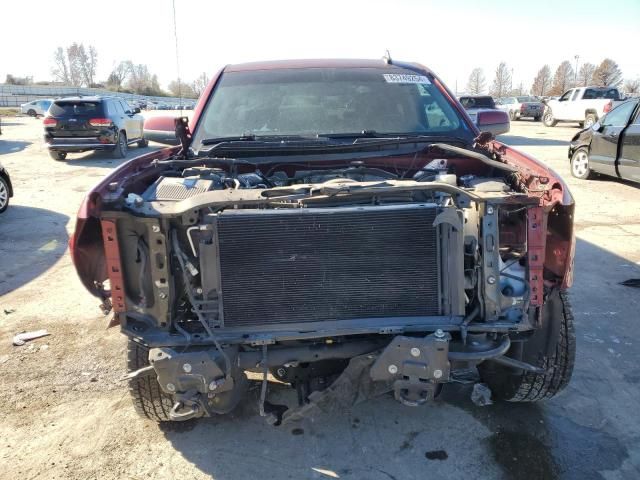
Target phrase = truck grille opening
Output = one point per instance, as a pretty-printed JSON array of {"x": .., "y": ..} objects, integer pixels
[{"x": 311, "y": 265}]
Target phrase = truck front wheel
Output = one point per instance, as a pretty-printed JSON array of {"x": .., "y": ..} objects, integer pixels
[
  {"x": 552, "y": 347},
  {"x": 589, "y": 120},
  {"x": 148, "y": 398},
  {"x": 548, "y": 119}
]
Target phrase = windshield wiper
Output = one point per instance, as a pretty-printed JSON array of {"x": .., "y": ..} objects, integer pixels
[{"x": 252, "y": 137}]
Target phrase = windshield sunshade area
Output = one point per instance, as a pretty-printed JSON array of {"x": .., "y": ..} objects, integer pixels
[{"x": 326, "y": 101}]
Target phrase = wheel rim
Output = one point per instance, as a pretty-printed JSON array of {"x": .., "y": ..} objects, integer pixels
[
  {"x": 548, "y": 118},
  {"x": 588, "y": 122},
  {"x": 580, "y": 164},
  {"x": 4, "y": 195}
]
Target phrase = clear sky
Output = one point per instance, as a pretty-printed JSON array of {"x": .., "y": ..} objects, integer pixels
[{"x": 451, "y": 37}]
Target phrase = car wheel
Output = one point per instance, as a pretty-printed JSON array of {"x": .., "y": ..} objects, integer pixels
[
  {"x": 580, "y": 164},
  {"x": 148, "y": 398},
  {"x": 512, "y": 115},
  {"x": 31, "y": 112},
  {"x": 552, "y": 347},
  {"x": 548, "y": 120},
  {"x": 581, "y": 124},
  {"x": 4, "y": 195},
  {"x": 143, "y": 143},
  {"x": 120, "y": 151},
  {"x": 537, "y": 119},
  {"x": 589, "y": 120},
  {"x": 57, "y": 155}
]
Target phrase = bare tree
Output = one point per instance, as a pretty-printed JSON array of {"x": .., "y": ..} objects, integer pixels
[
  {"x": 117, "y": 77},
  {"x": 542, "y": 82},
  {"x": 74, "y": 59},
  {"x": 563, "y": 79},
  {"x": 631, "y": 86},
  {"x": 60, "y": 68},
  {"x": 200, "y": 83},
  {"x": 476, "y": 84},
  {"x": 88, "y": 63},
  {"x": 585, "y": 74},
  {"x": 608, "y": 74},
  {"x": 179, "y": 88},
  {"x": 502, "y": 81},
  {"x": 140, "y": 80}
]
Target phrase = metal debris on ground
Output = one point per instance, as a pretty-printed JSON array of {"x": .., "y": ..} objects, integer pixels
[
  {"x": 481, "y": 395},
  {"x": 632, "y": 282},
  {"x": 24, "y": 337}
]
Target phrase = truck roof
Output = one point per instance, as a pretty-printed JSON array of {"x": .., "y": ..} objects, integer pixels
[{"x": 325, "y": 63}]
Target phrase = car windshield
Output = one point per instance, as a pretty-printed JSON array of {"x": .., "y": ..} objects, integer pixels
[
  {"x": 508, "y": 100},
  {"x": 75, "y": 107},
  {"x": 327, "y": 101},
  {"x": 524, "y": 99}
]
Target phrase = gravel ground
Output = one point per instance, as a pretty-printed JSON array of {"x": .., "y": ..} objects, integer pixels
[{"x": 67, "y": 415}]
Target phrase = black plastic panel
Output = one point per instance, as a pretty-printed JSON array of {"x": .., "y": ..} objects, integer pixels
[{"x": 309, "y": 265}]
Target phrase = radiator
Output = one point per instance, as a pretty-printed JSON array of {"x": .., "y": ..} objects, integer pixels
[{"x": 327, "y": 264}]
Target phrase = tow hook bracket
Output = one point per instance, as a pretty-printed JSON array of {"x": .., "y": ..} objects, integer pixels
[
  {"x": 187, "y": 406},
  {"x": 415, "y": 365}
]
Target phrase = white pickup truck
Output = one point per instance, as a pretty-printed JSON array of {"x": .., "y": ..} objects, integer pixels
[{"x": 585, "y": 105}]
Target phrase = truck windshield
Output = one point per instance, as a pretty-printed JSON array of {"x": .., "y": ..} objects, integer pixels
[{"x": 326, "y": 101}]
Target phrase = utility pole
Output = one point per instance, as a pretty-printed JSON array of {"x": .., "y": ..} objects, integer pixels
[{"x": 575, "y": 73}]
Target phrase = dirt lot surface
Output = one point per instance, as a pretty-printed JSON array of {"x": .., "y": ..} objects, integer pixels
[{"x": 65, "y": 414}]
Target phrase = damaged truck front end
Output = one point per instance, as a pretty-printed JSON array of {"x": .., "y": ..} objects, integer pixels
[{"x": 345, "y": 269}]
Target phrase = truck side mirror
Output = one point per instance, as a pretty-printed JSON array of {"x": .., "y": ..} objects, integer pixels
[{"x": 494, "y": 121}]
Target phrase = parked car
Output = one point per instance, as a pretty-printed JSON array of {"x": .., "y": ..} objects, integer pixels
[
  {"x": 80, "y": 124},
  {"x": 474, "y": 104},
  {"x": 585, "y": 105},
  {"x": 611, "y": 146},
  {"x": 341, "y": 224},
  {"x": 529, "y": 107},
  {"x": 36, "y": 107},
  {"x": 6, "y": 189},
  {"x": 520, "y": 107},
  {"x": 509, "y": 105}
]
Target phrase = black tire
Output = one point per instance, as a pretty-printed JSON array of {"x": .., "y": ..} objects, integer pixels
[
  {"x": 143, "y": 143},
  {"x": 581, "y": 124},
  {"x": 589, "y": 120},
  {"x": 120, "y": 150},
  {"x": 32, "y": 113},
  {"x": 56, "y": 155},
  {"x": 552, "y": 347},
  {"x": 537, "y": 119},
  {"x": 4, "y": 195},
  {"x": 580, "y": 164},
  {"x": 148, "y": 398},
  {"x": 548, "y": 120}
]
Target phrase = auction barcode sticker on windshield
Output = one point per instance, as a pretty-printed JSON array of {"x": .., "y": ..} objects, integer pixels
[{"x": 404, "y": 78}]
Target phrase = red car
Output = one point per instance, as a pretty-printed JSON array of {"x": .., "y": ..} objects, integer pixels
[{"x": 341, "y": 224}]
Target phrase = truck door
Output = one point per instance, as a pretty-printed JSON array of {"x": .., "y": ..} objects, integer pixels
[
  {"x": 561, "y": 109},
  {"x": 604, "y": 144},
  {"x": 629, "y": 159},
  {"x": 575, "y": 109}
]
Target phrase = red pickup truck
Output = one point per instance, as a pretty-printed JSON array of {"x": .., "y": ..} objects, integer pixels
[{"x": 342, "y": 225}]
